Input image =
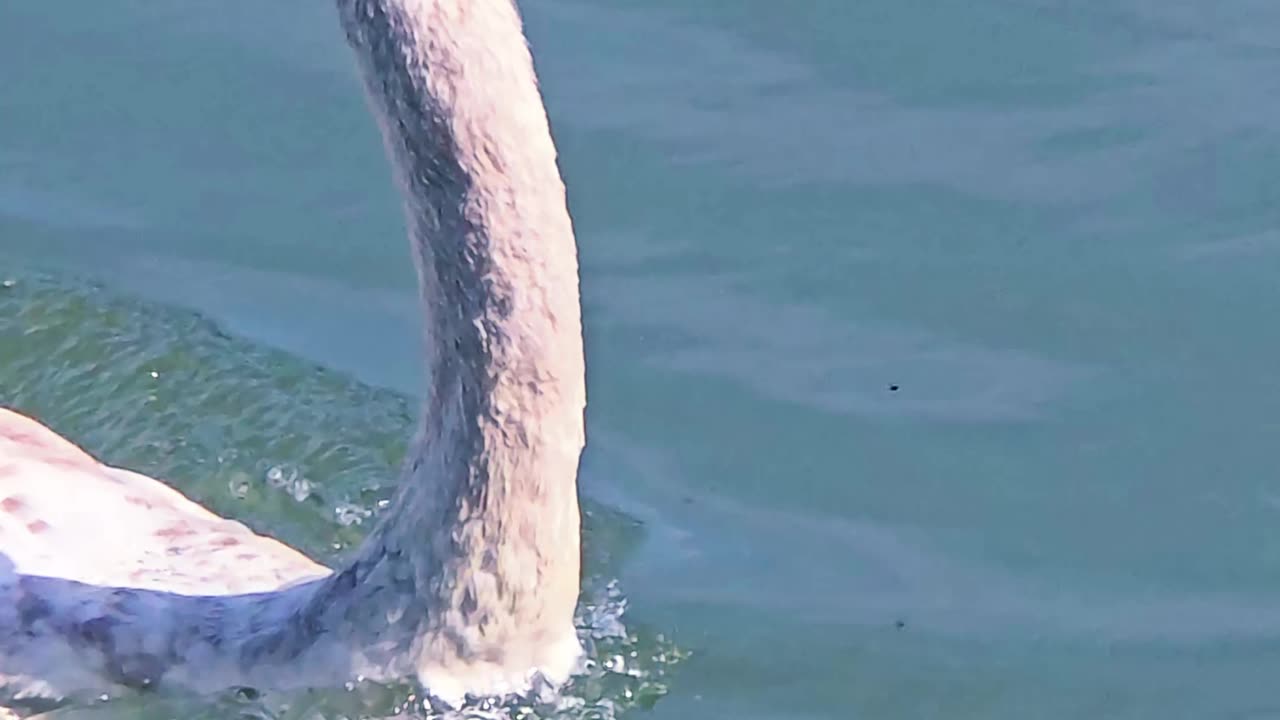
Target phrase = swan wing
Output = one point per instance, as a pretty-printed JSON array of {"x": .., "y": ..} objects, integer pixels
[{"x": 63, "y": 514}]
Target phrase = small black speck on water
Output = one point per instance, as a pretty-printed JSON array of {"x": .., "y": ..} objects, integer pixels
[
  {"x": 893, "y": 388},
  {"x": 900, "y": 624}
]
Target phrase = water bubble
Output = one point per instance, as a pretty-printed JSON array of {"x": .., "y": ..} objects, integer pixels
[
  {"x": 289, "y": 479},
  {"x": 300, "y": 489},
  {"x": 239, "y": 486},
  {"x": 349, "y": 514},
  {"x": 281, "y": 476}
]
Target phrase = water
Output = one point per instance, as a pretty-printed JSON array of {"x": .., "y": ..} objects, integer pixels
[{"x": 1051, "y": 227}]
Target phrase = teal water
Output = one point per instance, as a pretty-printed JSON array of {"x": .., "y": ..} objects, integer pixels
[{"x": 1052, "y": 227}]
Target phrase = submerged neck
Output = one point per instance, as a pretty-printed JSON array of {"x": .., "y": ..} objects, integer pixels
[{"x": 484, "y": 532}]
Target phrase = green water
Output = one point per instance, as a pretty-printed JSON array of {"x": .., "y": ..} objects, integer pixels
[{"x": 1054, "y": 228}]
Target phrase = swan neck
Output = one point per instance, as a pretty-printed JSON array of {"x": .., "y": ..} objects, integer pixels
[{"x": 484, "y": 532}]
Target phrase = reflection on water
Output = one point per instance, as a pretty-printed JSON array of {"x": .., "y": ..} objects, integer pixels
[{"x": 294, "y": 451}]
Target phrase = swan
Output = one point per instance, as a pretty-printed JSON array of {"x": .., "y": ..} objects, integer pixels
[{"x": 111, "y": 580}]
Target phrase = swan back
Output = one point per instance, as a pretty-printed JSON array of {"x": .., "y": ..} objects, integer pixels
[{"x": 65, "y": 515}]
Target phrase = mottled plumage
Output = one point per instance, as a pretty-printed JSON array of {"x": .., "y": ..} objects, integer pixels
[{"x": 126, "y": 528}]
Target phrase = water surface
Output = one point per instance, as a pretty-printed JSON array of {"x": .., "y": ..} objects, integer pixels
[{"x": 932, "y": 358}]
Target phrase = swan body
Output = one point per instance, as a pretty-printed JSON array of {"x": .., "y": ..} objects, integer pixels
[
  {"x": 110, "y": 580},
  {"x": 65, "y": 515}
]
